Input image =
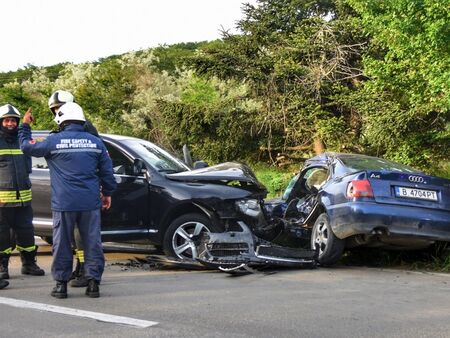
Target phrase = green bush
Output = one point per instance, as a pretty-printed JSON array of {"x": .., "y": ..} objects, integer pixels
[{"x": 274, "y": 179}]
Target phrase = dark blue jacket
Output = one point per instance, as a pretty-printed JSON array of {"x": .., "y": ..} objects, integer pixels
[
  {"x": 79, "y": 165},
  {"x": 15, "y": 167}
]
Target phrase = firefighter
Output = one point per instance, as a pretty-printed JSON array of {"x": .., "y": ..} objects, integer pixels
[
  {"x": 55, "y": 101},
  {"x": 82, "y": 182},
  {"x": 58, "y": 98},
  {"x": 16, "y": 214}
]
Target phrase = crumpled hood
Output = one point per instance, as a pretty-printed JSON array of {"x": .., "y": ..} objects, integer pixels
[{"x": 224, "y": 172}]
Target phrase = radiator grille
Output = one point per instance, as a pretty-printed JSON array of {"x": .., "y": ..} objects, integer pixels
[{"x": 227, "y": 249}]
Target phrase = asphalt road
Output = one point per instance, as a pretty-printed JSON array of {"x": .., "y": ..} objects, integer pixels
[{"x": 338, "y": 302}]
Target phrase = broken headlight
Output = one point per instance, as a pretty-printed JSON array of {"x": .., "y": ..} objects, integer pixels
[{"x": 250, "y": 207}]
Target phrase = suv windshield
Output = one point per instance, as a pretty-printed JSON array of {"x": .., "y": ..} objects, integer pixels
[
  {"x": 357, "y": 163},
  {"x": 158, "y": 158}
]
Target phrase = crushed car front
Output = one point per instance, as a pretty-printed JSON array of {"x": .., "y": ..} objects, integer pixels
[{"x": 230, "y": 190}]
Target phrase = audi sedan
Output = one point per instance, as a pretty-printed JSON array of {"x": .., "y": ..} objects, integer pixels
[
  {"x": 349, "y": 200},
  {"x": 159, "y": 199}
]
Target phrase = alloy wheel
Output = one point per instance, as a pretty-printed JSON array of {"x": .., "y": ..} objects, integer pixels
[
  {"x": 183, "y": 239},
  {"x": 320, "y": 237}
]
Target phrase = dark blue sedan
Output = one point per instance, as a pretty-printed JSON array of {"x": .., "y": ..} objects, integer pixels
[{"x": 349, "y": 200}]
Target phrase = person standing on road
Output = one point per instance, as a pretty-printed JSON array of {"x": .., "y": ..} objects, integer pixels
[
  {"x": 16, "y": 214},
  {"x": 55, "y": 101},
  {"x": 82, "y": 182}
]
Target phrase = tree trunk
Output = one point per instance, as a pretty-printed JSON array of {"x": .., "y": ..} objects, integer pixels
[{"x": 318, "y": 146}]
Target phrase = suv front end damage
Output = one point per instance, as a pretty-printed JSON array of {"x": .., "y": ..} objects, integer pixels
[{"x": 234, "y": 251}]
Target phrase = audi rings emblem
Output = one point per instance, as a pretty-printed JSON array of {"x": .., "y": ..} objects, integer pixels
[{"x": 415, "y": 179}]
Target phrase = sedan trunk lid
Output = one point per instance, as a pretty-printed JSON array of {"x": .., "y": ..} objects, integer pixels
[{"x": 411, "y": 189}]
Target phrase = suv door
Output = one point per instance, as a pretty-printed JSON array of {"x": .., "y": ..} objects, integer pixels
[
  {"x": 127, "y": 219},
  {"x": 42, "y": 213}
]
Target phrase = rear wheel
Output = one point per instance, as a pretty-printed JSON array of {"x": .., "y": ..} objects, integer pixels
[
  {"x": 180, "y": 236},
  {"x": 330, "y": 247}
]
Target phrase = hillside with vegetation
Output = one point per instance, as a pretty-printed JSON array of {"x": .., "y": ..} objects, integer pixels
[{"x": 364, "y": 76}]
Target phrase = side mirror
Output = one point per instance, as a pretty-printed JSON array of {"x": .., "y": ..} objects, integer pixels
[
  {"x": 200, "y": 164},
  {"x": 139, "y": 167}
]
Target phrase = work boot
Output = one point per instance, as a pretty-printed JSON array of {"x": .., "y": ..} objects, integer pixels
[
  {"x": 4, "y": 262},
  {"x": 80, "y": 279},
  {"x": 3, "y": 283},
  {"x": 60, "y": 290},
  {"x": 29, "y": 266},
  {"x": 92, "y": 289}
]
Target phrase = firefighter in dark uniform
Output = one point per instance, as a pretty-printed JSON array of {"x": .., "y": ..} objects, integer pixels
[
  {"x": 16, "y": 214},
  {"x": 55, "y": 101},
  {"x": 82, "y": 182}
]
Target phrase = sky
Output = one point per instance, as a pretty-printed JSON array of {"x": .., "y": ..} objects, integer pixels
[{"x": 47, "y": 32}]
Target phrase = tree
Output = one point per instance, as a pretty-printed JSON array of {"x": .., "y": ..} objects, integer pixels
[
  {"x": 296, "y": 56},
  {"x": 407, "y": 100},
  {"x": 32, "y": 92}
]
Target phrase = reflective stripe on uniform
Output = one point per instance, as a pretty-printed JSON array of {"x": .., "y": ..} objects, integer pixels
[
  {"x": 27, "y": 249},
  {"x": 11, "y": 152},
  {"x": 80, "y": 150},
  {"x": 80, "y": 255},
  {"x": 7, "y": 251},
  {"x": 10, "y": 196}
]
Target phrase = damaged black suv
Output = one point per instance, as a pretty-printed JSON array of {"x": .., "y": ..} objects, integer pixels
[{"x": 159, "y": 199}]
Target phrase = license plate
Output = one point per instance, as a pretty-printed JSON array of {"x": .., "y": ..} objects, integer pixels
[{"x": 422, "y": 194}]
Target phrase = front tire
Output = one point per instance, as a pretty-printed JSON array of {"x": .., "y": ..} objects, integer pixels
[
  {"x": 330, "y": 247},
  {"x": 179, "y": 238}
]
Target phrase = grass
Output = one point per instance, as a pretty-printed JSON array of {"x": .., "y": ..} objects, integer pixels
[{"x": 273, "y": 178}]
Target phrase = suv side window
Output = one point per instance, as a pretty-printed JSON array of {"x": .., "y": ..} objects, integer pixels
[{"x": 122, "y": 165}]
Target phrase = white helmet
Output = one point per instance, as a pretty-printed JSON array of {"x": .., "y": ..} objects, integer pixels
[
  {"x": 69, "y": 111},
  {"x": 58, "y": 98},
  {"x": 9, "y": 111}
]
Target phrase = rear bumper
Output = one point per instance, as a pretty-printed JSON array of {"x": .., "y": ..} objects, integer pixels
[{"x": 401, "y": 221}]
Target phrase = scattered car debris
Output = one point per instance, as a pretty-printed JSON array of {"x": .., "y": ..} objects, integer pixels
[
  {"x": 156, "y": 262},
  {"x": 242, "y": 251}
]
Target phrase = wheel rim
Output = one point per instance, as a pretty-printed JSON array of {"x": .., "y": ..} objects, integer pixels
[
  {"x": 320, "y": 237},
  {"x": 182, "y": 241}
]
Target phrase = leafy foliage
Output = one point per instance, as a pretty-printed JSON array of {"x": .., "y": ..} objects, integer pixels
[
  {"x": 408, "y": 97},
  {"x": 211, "y": 115},
  {"x": 293, "y": 59},
  {"x": 274, "y": 179}
]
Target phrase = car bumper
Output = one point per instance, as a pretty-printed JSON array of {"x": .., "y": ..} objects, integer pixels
[{"x": 369, "y": 218}]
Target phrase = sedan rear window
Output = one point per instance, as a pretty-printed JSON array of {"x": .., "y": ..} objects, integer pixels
[{"x": 358, "y": 163}]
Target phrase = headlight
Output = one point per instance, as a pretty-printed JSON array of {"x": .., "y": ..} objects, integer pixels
[{"x": 250, "y": 208}]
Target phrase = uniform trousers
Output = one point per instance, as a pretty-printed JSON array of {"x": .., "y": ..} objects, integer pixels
[
  {"x": 18, "y": 222},
  {"x": 88, "y": 223}
]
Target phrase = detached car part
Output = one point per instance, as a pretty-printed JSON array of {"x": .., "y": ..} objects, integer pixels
[{"x": 236, "y": 250}]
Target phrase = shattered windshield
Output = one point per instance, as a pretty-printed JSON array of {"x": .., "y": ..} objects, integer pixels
[
  {"x": 289, "y": 188},
  {"x": 358, "y": 163},
  {"x": 158, "y": 158}
]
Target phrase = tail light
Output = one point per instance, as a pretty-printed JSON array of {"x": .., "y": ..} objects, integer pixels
[{"x": 359, "y": 188}]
